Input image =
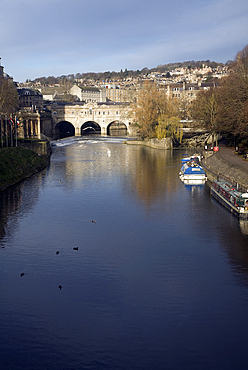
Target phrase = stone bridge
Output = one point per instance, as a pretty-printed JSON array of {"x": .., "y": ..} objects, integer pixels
[{"x": 76, "y": 119}]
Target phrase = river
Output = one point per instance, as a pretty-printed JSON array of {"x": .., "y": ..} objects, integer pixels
[{"x": 124, "y": 266}]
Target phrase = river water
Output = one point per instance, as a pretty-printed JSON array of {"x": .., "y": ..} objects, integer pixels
[{"x": 158, "y": 279}]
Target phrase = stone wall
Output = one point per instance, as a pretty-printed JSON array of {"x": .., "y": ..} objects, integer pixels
[
  {"x": 165, "y": 143},
  {"x": 39, "y": 147},
  {"x": 215, "y": 167}
]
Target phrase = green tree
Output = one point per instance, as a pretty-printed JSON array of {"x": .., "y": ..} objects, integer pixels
[
  {"x": 152, "y": 109},
  {"x": 169, "y": 126}
]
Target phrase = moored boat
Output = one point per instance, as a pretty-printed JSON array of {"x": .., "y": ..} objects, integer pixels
[
  {"x": 187, "y": 158},
  {"x": 192, "y": 173},
  {"x": 231, "y": 198}
]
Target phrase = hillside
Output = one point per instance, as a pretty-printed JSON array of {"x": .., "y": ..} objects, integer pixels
[{"x": 100, "y": 76}]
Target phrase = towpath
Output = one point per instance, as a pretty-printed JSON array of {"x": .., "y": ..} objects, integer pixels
[
  {"x": 229, "y": 155},
  {"x": 228, "y": 165}
]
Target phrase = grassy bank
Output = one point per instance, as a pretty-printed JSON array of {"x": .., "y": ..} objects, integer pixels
[{"x": 17, "y": 164}]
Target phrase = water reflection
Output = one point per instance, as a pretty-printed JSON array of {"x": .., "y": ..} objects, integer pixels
[
  {"x": 244, "y": 226},
  {"x": 148, "y": 168},
  {"x": 194, "y": 188},
  {"x": 18, "y": 200},
  {"x": 159, "y": 281},
  {"x": 151, "y": 178}
]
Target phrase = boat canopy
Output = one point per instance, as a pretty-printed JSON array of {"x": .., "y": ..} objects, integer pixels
[{"x": 192, "y": 169}]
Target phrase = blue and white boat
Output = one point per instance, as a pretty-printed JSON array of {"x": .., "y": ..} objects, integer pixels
[
  {"x": 192, "y": 173},
  {"x": 187, "y": 158}
]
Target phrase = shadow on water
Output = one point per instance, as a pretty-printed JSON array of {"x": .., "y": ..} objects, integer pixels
[{"x": 158, "y": 281}]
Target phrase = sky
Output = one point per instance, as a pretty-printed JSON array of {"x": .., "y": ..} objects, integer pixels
[{"x": 60, "y": 37}]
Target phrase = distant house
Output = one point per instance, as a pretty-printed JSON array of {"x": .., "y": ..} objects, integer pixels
[
  {"x": 188, "y": 90},
  {"x": 115, "y": 93},
  {"x": 30, "y": 99},
  {"x": 89, "y": 94},
  {"x": 53, "y": 93}
]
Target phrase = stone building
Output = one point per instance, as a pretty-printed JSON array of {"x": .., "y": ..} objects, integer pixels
[
  {"x": 4, "y": 76},
  {"x": 89, "y": 94},
  {"x": 30, "y": 99},
  {"x": 52, "y": 93},
  {"x": 187, "y": 91},
  {"x": 115, "y": 93}
]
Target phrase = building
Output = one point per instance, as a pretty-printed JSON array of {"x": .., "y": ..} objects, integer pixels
[
  {"x": 4, "y": 76},
  {"x": 187, "y": 91},
  {"x": 89, "y": 94},
  {"x": 53, "y": 93},
  {"x": 30, "y": 99},
  {"x": 115, "y": 93}
]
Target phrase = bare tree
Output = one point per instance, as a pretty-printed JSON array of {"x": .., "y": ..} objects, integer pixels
[
  {"x": 8, "y": 98},
  {"x": 204, "y": 111},
  {"x": 8, "y": 104},
  {"x": 233, "y": 99}
]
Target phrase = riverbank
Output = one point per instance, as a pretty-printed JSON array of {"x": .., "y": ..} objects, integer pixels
[
  {"x": 19, "y": 163},
  {"x": 165, "y": 143},
  {"x": 225, "y": 163},
  {"x": 228, "y": 165}
]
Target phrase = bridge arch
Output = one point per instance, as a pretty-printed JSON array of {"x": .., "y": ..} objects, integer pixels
[
  {"x": 64, "y": 129},
  {"x": 117, "y": 128},
  {"x": 90, "y": 128}
]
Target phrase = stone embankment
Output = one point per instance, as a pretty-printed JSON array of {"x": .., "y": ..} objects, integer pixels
[
  {"x": 165, "y": 143},
  {"x": 41, "y": 147},
  {"x": 228, "y": 166}
]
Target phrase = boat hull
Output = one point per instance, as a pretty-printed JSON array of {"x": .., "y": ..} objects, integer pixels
[
  {"x": 193, "y": 179},
  {"x": 192, "y": 173},
  {"x": 240, "y": 213}
]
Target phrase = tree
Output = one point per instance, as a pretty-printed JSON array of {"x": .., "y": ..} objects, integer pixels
[
  {"x": 154, "y": 111},
  {"x": 233, "y": 99},
  {"x": 169, "y": 126},
  {"x": 9, "y": 102},
  {"x": 204, "y": 110},
  {"x": 146, "y": 110},
  {"x": 8, "y": 98}
]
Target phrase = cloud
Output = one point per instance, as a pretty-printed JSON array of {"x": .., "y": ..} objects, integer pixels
[{"x": 54, "y": 37}]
